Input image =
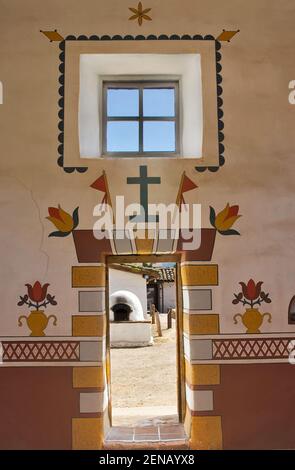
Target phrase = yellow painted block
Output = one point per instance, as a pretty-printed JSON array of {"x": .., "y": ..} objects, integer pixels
[
  {"x": 144, "y": 246},
  {"x": 87, "y": 377},
  {"x": 87, "y": 433},
  {"x": 88, "y": 325},
  {"x": 206, "y": 433},
  {"x": 201, "y": 324},
  {"x": 199, "y": 275},
  {"x": 187, "y": 422},
  {"x": 88, "y": 276},
  {"x": 107, "y": 420},
  {"x": 202, "y": 374}
]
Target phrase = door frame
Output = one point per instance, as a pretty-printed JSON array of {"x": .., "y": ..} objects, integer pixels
[{"x": 180, "y": 359}]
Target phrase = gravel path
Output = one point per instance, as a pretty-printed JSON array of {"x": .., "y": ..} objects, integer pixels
[{"x": 145, "y": 377}]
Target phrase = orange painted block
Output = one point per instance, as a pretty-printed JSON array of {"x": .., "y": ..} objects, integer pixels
[
  {"x": 202, "y": 374},
  {"x": 88, "y": 325},
  {"x": 88, "y": 276},
  {"x": 187, "y": 422},
  {"x": 87, "y": 433},
  {"x": 88, "y": 377},
  {"x": 199, "y": 275},
  {"x": 206, "y": 433},
  {"x": 144, "y": 246},
  {"x": 201, "y": 324}
]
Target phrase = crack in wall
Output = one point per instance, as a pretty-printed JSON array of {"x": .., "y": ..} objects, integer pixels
[{"x": 30, "y": 191}]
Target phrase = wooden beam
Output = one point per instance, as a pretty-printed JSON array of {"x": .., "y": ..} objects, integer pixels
[
  {"x": 135, "y": 270},
  {"x": 171, "y": 258}
]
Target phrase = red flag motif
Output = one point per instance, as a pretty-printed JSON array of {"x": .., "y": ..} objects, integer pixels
[
  {"x": 187, "y": 185},
  {"x": 100, "y": 184}
]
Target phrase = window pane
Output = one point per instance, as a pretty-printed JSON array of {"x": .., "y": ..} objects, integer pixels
[
  {"x": 122, "y": 102},
  {"x": 159, "y": 102},
  {"x": 122, "y": 136},
  {"x": 159, "y": 136}
]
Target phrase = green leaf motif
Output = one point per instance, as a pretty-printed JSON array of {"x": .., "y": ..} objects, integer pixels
[
  {"x": 212, "y": 216},
  {"x": 59, "y": 234},
  {"x": 229, "y": 232},
  {"x": 76, "y": 217}
]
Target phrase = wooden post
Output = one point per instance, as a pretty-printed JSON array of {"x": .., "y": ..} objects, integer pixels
[
  {"x": 169, "y": 318},
  {"x": 156, "y": 316},
  {"x": 152, "y": 313}
]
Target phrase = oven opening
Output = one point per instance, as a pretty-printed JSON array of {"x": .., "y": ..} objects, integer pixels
[{"x": 121, "y": 311}]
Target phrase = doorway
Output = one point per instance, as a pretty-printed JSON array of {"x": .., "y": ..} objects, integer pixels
[{"x": 145, "y": 352}]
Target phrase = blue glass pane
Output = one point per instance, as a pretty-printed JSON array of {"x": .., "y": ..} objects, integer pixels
[
  {"x": 159, "y": 102},
  {"x": 122, "y": 136},
  {"x": 122, "y": 102},
  {"x": 159, "y": 136}
]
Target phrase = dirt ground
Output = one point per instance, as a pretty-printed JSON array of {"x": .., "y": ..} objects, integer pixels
[{"x": 144, "y": 380}]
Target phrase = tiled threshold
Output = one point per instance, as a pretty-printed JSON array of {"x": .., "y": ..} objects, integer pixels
[{"x": 165, "y": 436}]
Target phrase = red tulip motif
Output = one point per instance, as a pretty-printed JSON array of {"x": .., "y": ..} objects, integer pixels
[
  {"x": 225, "y": 219},
  {"x": 37, "y": 293},
  {"x": 251, "y": 291},
  {"x": 251, "y": 294},
  {"x": 63, "y": 221},
  {"x": 37, "y": 296}
]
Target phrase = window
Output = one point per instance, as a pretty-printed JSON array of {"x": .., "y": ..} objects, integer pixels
[
  {"x": 140, "y": 118},
  {"x": 291, "y": 311}
]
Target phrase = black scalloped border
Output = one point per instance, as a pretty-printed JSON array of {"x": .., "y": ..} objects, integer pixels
[
  {"x": 220, "y": 113},
  {"x": 163, "y": 37}
]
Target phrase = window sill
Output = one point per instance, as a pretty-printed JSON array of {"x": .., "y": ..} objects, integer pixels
[{"x": 157, "y": 156}]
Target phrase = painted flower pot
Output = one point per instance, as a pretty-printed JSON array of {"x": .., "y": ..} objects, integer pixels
[
  {"x": 37, "y": 322},
  {"x": 204, "y": 251},
  {"x": 88, "y": 248},
  {"x": 252, "y": 319}
]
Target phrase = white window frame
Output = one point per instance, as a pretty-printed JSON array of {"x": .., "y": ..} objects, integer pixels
[{"x": 86, "y": 61}]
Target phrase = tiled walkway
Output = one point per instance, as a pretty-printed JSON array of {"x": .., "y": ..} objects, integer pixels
[{"x": 147, "y": 434}]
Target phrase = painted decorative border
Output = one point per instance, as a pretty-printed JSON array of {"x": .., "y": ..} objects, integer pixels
[
  {"x": 73, "y": 350},
  {"x": 61, "y": 91},
  {"x": 162, "y": 37},
  {"x": 40, "y": 351},
  {"x": 258, "y": 348},
  {"x": 90, "y": 349}
]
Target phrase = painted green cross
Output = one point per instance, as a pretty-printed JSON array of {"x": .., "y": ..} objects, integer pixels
[{"x": 144, "y": 180}]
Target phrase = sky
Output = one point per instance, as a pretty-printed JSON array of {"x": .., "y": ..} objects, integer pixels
[{"x": 123, "y": 136}]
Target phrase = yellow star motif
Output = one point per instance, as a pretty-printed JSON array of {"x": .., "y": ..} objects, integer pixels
[{"x": 140, "y": 14}]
